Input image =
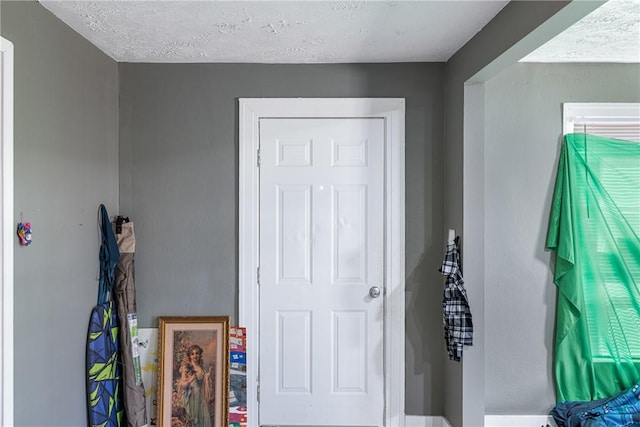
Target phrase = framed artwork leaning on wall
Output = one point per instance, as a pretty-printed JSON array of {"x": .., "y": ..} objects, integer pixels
[{"x": 193, "y": 376}]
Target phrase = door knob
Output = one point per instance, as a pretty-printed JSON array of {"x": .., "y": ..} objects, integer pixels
[{"x": 374, "y": 292}]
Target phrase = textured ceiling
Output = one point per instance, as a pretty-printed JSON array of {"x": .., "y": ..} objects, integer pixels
[
  {"x": 277, "y": 31},
  {"x": 327, "y": 31},
  {"x": 610, "y": 33}
]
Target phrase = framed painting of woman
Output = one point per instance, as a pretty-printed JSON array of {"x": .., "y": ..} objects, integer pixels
[{"x": 193, "y": 376}]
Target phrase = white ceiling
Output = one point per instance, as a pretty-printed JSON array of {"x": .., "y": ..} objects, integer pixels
[
  {"x": 277, "y": 31},
  {"x": 325, "y": 31},
  {"x": 610, "y": 33}
]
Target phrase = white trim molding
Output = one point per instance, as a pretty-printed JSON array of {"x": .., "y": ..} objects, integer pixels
[
  {"x": 518, "y": 420},
  {"x": 392, "y": 110},
  {"x": 586, "y": 112},
  {"x": 426, "y": 421},
  {"x": 6, "y": 233}
]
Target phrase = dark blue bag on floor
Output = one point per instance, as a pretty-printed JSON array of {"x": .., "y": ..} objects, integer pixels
[{"x": 621, "y": 410}]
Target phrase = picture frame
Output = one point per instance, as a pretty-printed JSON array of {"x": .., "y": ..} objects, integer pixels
[{"x": 193, "y": 375}]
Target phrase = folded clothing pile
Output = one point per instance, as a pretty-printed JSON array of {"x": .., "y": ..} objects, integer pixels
[{"x": 622, "y": 410}]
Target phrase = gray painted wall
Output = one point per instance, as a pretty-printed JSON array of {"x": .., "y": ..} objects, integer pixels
[
  {"x": 464, "y": 383},
  {"x": 179, "y": 182},
  {"x": 66, "y": 164},
  {"x": 523, "y": 111}
]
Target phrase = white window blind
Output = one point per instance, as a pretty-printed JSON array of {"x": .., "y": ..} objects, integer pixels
[
  {"x": 611, "y": 120},
  {"x": 629, "y": 131}
]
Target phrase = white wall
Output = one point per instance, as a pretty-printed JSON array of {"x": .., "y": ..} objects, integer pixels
[{"x": 523, "y": 112}]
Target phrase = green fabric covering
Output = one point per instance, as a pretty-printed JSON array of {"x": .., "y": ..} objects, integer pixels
[{"x": 594, "y": 228}]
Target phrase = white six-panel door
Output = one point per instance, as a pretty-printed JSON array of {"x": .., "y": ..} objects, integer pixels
[{"x": 321, "y": 251}]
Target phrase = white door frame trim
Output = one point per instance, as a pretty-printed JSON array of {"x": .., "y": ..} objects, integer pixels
[
  {"x": 6, "y": 233},
  {"x": 392, "y": 111}
]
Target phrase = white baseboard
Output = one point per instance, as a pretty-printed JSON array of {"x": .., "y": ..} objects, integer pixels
[
  {"x": 518, "y": 420},
  {"x": 425, "y": 421}
]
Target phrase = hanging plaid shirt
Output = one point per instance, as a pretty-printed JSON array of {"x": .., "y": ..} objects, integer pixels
[{"x": 456, "y": 316}]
